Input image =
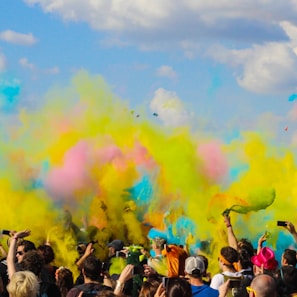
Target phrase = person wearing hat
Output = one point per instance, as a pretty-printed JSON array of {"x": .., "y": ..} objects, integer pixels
[
  {"x": 264, "y": 262},
  {"x": 116, "y": 258},
  {"x": 194, "y": 269},
  {"x": 115, "y": 247}
]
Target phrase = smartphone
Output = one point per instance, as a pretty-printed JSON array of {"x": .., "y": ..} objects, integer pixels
[
  {"x": 6, "y": 232},
  {"x": 104, "y": 266},
  {"x": 165, "y": 281},
  {"x": 281, "y": 223},
  {"x": 234, "y": 283}
]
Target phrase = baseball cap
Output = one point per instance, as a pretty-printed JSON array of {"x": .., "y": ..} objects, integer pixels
[
  {"x": 194, "y": 265},
  {"x": 117, "y": 244}
]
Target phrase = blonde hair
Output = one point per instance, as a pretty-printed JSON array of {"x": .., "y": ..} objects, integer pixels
[{"x": 23, "y": 284}]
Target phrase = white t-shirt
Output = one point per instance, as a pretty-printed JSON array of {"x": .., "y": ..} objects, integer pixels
[{"x": 218, "y": 279}]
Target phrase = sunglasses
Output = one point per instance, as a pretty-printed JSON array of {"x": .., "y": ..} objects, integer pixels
[
  {"x": 20, "y": 253},
  {"x": 249, "y": 289}
]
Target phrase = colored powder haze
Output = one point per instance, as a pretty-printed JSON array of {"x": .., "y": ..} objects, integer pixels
[{"x": 123, "y": 174}]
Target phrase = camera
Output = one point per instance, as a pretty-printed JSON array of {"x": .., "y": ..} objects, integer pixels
[{"x": 281, "y": 223}]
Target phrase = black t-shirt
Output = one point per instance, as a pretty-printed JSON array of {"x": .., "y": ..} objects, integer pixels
[
  {"x": 88, "y": 289},
  {"x": 4, "y": 276},
  {"x": 49, "y": 290}
]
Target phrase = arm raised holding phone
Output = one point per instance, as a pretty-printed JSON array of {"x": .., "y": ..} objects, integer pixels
[{"x": 290, "y": 227}]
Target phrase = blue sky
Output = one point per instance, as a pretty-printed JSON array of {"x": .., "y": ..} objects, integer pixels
[{"x": 220, "y": 63}]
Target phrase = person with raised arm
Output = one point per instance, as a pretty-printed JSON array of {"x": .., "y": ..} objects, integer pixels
[
  {"x": 244, "y": 248},
  {"x": 91, "y": 270},
  {"x": 11, "y": 267},
  {"x": 232, "y": 240},
  {"x": 291, "y": 228}
]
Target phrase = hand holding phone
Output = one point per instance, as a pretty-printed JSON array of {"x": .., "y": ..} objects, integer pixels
[
  {"x": 281, "y": 223},
  {"x": 165, "y": 281}
]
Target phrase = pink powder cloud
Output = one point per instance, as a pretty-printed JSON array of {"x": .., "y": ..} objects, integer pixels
[
  {"x": 62, "y": 182},
  {"x": 214, "y": 162},
  {"x": 141, "y": 156}
]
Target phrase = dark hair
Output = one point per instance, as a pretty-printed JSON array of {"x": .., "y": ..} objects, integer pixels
[
  {"x": 230, "y": 254},
  {"x": 244, "y": 258},
  {"x": 92, "y": 268},
  {"x": 178, "y": 287},
  {"x": 27, "y": 244},
  {"x": 289, "y": 278},
  {"x": 33, "y": 262},
  {"x": 149, "y": 288},
  {"x": 290, "y": 256},
  {"x": 47, "y": 253},
  {"x": 64, "y": 280},
  {"x": 245, "y": 244}
]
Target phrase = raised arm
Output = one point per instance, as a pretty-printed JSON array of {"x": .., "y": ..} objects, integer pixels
[
  {"x": 291, "y": 228},
  {"x": 11, "y": 269},
  {"x": 261, "y": 240},
  {"x": 125, "y": 275},
  {"x": 232, "y": 240},
  {"x": 89, "y": 250}
]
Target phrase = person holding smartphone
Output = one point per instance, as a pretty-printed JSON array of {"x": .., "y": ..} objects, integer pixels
[{"x": 290, "y": 227}]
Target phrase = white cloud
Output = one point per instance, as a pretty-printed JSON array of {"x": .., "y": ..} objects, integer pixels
[
  {"x": 166, "y": 71},
  {"x": 112, "y": 15},
  {"x": 17, "y": 38},
  {"x": 267, "y": 68},
  {"x": 2, "y": 62},
  {"x": 262, "y": 34},
  {"x": 26, "y": 64},
  {"x": 169, "y": 108},
  {"x": 153, "y": 20}
]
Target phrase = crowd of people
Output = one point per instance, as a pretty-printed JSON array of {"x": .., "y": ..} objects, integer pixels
[{"x": 158, "y": 271}]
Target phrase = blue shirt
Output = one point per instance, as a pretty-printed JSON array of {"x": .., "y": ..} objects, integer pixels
[{"x": 204, "y": 291}]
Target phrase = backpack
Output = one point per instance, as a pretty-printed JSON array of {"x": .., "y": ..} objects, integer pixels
[
  {"x": 237, "y": 286},
  {"x": 43, "y": 289},
  {"x": 48, "y": 290}
]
